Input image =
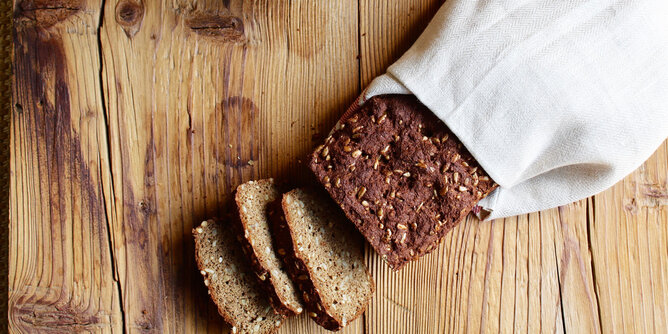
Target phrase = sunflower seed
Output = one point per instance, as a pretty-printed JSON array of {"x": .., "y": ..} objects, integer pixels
[
  {"x": 385, "y": 149},
  {"x": 361, "y": 192},
  {"x": 445, "y": 167}
]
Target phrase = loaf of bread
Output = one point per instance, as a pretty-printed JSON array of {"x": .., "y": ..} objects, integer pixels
[
  {"x": 231, "y": 282},
  {"x": 324, "y": 256},
  {"x": 400, "y": 175},
  {"x": 252, "y": 199}
]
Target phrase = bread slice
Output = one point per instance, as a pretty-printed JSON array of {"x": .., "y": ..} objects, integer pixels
[
  {"x": 231, "y": 282},
  {"x": 252, "y": 199},
  {"x": 324, "y": 256}
]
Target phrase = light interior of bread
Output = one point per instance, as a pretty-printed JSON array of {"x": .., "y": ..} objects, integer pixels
[
  {"x": 326, "y": 242},
  {"x": 230, "y": 280},
  {"x": 252, "y": 200}
]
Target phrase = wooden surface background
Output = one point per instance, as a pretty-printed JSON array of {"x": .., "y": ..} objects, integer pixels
[{"x": 134, "y": 120}]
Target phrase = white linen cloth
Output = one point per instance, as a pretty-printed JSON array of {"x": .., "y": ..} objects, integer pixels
[{"x": 556, "y": 99}]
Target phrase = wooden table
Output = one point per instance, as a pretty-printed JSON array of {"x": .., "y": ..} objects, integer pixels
[{"x": 133, "y": 121}]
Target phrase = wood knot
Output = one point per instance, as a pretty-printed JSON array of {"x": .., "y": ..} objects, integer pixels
[
  {"x": 226, "y": 28},
  {"x": 129, "y": 15},
  {"x": 144, "y": 207},
  {"x": 45, "y": 13}
]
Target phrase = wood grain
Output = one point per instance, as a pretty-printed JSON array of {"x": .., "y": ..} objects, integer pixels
[
  {"x": 231, "y": 93},
  {"x": 134, "y": 120},
  {"x": 61, "y": 271}
]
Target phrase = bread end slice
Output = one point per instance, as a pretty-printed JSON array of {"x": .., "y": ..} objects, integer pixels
[
  {"x": 230, "y": 280},
  {"x": 252, "y": 201},
  {"x": 324, "y": 257}
]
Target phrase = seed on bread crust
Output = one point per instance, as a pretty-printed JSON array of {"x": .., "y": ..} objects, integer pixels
[{"x": 361, "y": 192}]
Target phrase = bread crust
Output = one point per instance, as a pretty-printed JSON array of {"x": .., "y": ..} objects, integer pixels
[{"x": 400, "y": 175}]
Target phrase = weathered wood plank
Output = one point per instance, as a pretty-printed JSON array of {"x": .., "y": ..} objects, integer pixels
[
  {"x": 201, "y": 96},
  {"x": 61, "y": 273},
  {"x": 628, "y": 229}
]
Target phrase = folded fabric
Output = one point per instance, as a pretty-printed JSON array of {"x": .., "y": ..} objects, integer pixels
[{"x": 557, "y": 100}]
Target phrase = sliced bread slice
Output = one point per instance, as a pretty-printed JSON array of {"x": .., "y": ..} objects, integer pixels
[
  {"x": 324, "y": 257},
  {"x": 231, "y": 282},
  {"x": 252, "y": 200}
]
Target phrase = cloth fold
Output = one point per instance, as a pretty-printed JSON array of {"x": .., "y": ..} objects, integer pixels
[{"x": 557, "y": 100}]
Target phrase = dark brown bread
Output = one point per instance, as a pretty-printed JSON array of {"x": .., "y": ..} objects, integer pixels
[
  {"x": 231, "y": 282},
  {"x": 323, "y": 254},
  {"x": 252, "y": 199},
  {"x": 400, "y": 175}
]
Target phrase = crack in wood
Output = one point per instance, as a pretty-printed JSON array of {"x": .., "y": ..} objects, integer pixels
[
  {"x": 561, "y": 296},
  {"x": 107, "y": 137},
  {"x": 591, "y": 218},
  {"x": 226, "y": 28}
]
